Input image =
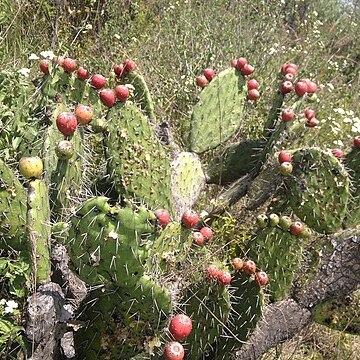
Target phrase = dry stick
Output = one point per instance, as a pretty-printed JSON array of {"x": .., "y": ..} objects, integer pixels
[
  {"x": 338, "y": 276},
  {"x": 59, "y": 4}
]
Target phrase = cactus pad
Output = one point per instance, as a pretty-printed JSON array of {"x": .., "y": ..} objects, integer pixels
[
  {"x": 342, "y": 314},
  {"x": 278, "y": 253},
  {"x": 187, "y": 181},
  {"x": 39, "y": 229},
  {"x": 247, "y": 301},
  {"x": 234, "y": 162},
  {"x": 12, "y": 210},
  {"x": 217, "y": 115},
  {"x": 208, "y": 306},
  {"x": 137, "y": 162},
  {"x": 141, "y": 93},
  {"x": 318, "y": 189}
]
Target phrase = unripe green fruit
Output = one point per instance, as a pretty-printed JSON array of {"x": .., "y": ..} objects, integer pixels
[
  {"x": 31, "y": 167},
  {"x": 99, "y": 125},
  {"x": 285, "y": 222},
  {"x": 64, "y": 150},
  {"x": 273, "y": 220},
  {"x": 262, "y": 220},
  {"x": 286, "y": 168}
]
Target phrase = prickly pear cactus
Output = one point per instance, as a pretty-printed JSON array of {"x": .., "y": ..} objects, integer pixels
[
  {"x": 129, "y": 232},
  {"x": 217, "y": 115}
]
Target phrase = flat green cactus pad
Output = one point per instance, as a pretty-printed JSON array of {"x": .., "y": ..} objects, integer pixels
[
  {"x": 234, "y": 162},
  {"x": 39, "y": 229},
  {"x": 187, "y": 181},
  {"x": 141, "y": 93},
  {"x": 218, "y": 114},
  {"x": 208, "y": 306},
  {"x": 278, "y": 253},
  {"x": 318, "y": 189},
  {"x": 247, "y": 301},
  {"x": 109, "y": 244},
  {"x": 342, "y": 314},
  {"x": 137, "y": 162},
  {"x": 12, "y": 210}
]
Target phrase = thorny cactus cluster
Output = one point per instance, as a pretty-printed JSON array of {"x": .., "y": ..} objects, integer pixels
[{"x": 98, "y": 175}]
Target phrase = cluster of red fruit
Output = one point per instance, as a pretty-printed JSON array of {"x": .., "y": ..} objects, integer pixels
[
  {"x": 302, "y": 87},
  {"x": 339, "y": 154},
  {"x": 189, "y": 219},
  {"x": 248, "y": 267},
  {"x": 246, "y": 69},
  {"x": 67, "y": 122},
  {"x": 108, "y": 97},
  {"x": 204, "y": 79},
  {"x": 289, "y": 115},
  {"x": 180, "y": 328}
]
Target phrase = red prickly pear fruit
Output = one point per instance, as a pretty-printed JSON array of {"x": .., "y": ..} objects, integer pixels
[
  {"x": 44, "y": 66},
  {"x": 174, "y": 351},
  {"x": 301, "y": 88},
  {"x": 189, "y": 219},
  {"x": 289, "y": 69},
  {"x": 287, "y": 115},
  {"x": 212, "y": 272},
  {"x": 283, "y": 69},
  {"x": 284, "y": 156},
  {"x": 237, "y": 263},
  {"x": 261, "y": 278},
  {"x": 252, "y": 84},
  {"x": 357, "y": 142},
  {"x": 296, "y": 228},
  {"x": 247, "y": 69},
  {"x": 69, "y": 65},
  {"x": 287, "y": 87},
  {"x": 198, "y": 238},
  {"x": 224, "y": 278},
  {"x": 233, "y": 63},
  {"x": 289, "y": 77},
  {"x": 240, "y": 63},
  {"x": 180, "y": 327},
  {"x": 253, "y": 95},
  {"x": 202, "y": 81},
  {"x": 309, "y": 113},
  {"x": 31, "y": 167},
  {"x": 98, "y": 81},
  {"x": 338, "y": 153},
  {"x": 129, "y": 65},
  {"x": 118, "y": 69},
  {"x": 286, "y": 168},
  {"x": 313, "y": 122},
  {"x": 207, "y": 233},
  {"x": 66, "y": 123},
  {"x": 249, "y": 267},
  {"x": 108, "y": 97},
  {"x": 59, "y": 60},
  {"x": 122, "y": 92},
  {"x": 209, "y": 74},
  {"x": 312, "y": 87},
  {"x": 83, "y": 73},
  {"x": 163, "y": 217},
  {"x": 83, "y": 113}
]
